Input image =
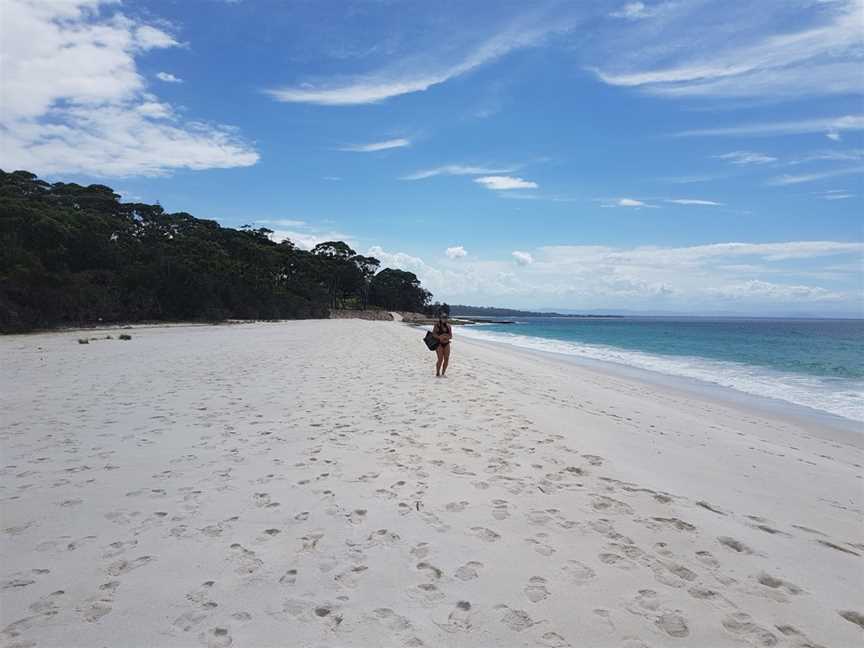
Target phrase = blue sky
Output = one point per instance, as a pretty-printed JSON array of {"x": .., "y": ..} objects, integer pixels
[{"x": 682, "y": 155}]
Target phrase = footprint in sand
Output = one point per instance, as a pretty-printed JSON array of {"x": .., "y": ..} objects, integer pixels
[
  {"x": 189, "y": 620},
  {"x": 578, "y": 573},
  {"x": 741, "y": 624},
  {"x": 517, "y": 620},
  {"x": 734, "y": 545},
  {"x": 459, "y": 618},
  {"x": 616, "y": 561},
  {"x": 707, "y": 558},
  {"x": 427, "y": 593},
  {"x": 536, "y": 589},
  {"x": 778, "y": 583},
  {"x": 484, "y": 534},
  {"x": 392, "y": 621},
  {"x": 216, "y": 638},
  {"x": 261, "y": 499},
  {"x": 499, "y": 509},
  {"x": 673, "y": 624},
  {"x": 468, "y": 571},
  {"x": 357, "y": 516},
  {"x": 431, "y": 570},
  {"x": 604, "y": 503},
  {"x": 245, "y": 559},
  {"x": 541, "y": 547},
  {"x": 853, "y": 617},
  {"x": 553, "y": 640},
  {"x": 456, "y": 507},
  {"x": 120, "y": 567}
]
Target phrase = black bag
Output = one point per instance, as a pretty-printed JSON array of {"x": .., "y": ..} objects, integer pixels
[{"x": 430, "y": 341}]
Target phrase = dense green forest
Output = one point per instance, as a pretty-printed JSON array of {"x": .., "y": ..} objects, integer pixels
[{"x": 73, "y": 255}]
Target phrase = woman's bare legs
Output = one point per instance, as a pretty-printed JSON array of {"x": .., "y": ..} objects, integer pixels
[
  {"x": 439, "y": 350},
  {"x": 446, "y": 356}
]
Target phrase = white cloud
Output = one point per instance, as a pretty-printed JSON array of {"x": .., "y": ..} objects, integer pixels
[
  {"x": 455, "y": 252},
  {"x": 800, "y": 127},
  {"x": 819, "y": 59},
  {"x": 638, "y": 11},
  {"x": 456, "y": 170},
  {"x": 693, "y": 201},
  {"x": 764, "y": 290},
  {"x": 419, "y": 73},
  {"x": 505, "y": 183},
  {"x": 786, "y": 179},
  {"x": 746, "y": 157},
  {"x": 522, "y": 258},
  {"x": 378, "y": 146},
  {"x": 74, "y": 102},
  {"x": 656, "y": 278},
  {"x": 835, "y": 194},
  {"x": 168, "y": 78},
  {"x": 630, "y": 202},
  {"x": 303, "y": 234}
]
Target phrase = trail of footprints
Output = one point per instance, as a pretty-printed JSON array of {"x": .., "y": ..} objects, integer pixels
[{"x": 497, "y": 452}]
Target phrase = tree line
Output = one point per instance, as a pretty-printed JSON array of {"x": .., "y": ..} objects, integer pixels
[{"x": 74, "y": 255}]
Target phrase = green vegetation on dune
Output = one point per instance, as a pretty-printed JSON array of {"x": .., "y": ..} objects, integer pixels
[{"x": 71, "y": 254}]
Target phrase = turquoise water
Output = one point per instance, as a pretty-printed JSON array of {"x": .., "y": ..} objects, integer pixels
[{"x": 814, "y": 363}]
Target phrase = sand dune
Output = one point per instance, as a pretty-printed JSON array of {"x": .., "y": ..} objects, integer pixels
[{"x": 312, "y": 484}]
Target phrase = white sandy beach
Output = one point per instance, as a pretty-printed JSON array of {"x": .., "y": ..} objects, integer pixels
[{"x": 312, "y": 484}]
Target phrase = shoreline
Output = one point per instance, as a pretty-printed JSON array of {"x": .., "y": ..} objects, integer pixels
[
  {"x": 234, "y": 485},
  {"x": 850, "y": 429},
  {"x": 695, "y": 385}
]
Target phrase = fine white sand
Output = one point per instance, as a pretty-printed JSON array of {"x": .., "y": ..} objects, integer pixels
[{"x": 312, "y": 484}]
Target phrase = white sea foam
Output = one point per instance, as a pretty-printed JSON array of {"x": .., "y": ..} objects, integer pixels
[{"x": 839, "y": 397}]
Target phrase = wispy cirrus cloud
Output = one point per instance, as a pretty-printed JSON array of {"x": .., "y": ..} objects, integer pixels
[
  {"x": 835, "y": 194},
  {"x": 819, "y": 59},
  {"x": 797, "y": 127},
  {"x": 746, "y": 157},
  {"x": 788, "y": 179},
  {"x": 384, "y": 145},
  {"x": 420, "y": 72},
  {"x": 457, "y": 170},
  {"x": 693, "y": 201},
  {"x": 505, "y": 183}
]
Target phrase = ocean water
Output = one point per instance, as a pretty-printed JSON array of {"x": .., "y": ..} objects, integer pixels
[{"x": 813, "y": 363}]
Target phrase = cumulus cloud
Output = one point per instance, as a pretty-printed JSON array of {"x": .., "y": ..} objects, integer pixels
[
  {"x": 303, "y": 234},
  {"x": 682, "y": 278},
  {"x": 74, "y": 101},
  {"x": 455, "y": 252},
  {"x": 746, "y": 157},
  {"x": 505, "y": 183},
  {"x": 522, "y": 258},
  {"x": 168, "y": 78},
  {"x": 378, "y": 146}
]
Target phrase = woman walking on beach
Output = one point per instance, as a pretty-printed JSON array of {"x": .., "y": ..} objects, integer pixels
[{"x": 443, "y": 333}]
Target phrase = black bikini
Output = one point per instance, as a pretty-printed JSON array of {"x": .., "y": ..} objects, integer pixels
[{"x": 440, "y": 331}]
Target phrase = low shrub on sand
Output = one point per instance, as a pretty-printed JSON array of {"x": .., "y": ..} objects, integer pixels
[{"x": 125, "y": 336}]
